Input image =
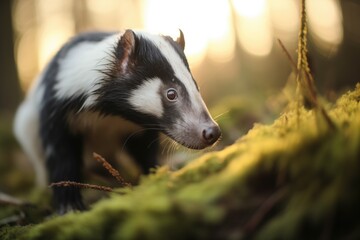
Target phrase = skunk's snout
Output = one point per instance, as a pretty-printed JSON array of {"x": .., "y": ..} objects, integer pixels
[
  {"x": 211, "y": 134},
  {"x": 196, "y": 137}
]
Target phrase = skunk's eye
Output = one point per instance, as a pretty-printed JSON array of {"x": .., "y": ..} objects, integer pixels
[{"x": 171, "y": 95}]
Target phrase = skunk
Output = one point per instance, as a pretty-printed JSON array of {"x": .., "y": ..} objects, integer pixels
[{"x": 107, "y": 91}]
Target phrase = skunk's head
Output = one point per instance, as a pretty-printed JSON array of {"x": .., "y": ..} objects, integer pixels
[{"x": 150, "y": 83}]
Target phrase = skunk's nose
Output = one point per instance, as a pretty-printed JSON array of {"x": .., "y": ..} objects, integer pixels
[{"x": 211, "y": 134}]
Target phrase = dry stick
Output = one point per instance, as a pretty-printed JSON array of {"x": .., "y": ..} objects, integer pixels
[
  {"x": 264, "y": 209},
  {"x": 308, "y": 76},
  {"x": 80, "y": 185},
  {"x": 303, "y": 70},
  {"x": 107, "y": 166},
  {"x": 303, "y": 64},
  {"x": 309, "y": 80},
  {"x": 291, "y": 60},
  {"x": 115, "y": 173}
]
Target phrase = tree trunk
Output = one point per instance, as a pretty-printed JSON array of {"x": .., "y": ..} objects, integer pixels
[{"x": 10, "y": 92}]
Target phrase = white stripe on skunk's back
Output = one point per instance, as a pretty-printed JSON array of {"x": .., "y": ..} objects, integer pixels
[
  {"x": 77, "y": 75},
  {"x": 79, "y": 69}
]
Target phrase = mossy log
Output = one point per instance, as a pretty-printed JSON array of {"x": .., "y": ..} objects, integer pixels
[{"x": 289, "y": 180}]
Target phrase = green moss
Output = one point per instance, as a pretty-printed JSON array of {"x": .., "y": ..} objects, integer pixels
[
  {"x": 14, "y": 232},
  {"x": 288, "y": 180}
]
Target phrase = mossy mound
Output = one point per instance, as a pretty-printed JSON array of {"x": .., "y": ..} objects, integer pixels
[{"x": 294, "y": 179}]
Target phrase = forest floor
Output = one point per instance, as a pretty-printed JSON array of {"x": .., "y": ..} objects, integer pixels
[{"x": 296, "y": 178}]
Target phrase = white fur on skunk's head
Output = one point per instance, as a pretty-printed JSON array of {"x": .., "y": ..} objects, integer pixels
[{"x": 150, "y": 83}]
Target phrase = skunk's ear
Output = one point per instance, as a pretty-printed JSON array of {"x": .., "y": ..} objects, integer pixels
[
  {"x": 181, "y": 40},
  {"x": 126, "y": 49}
]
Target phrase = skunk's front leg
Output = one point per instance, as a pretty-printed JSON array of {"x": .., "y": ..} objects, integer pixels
[{"x": 63, "y": 152}]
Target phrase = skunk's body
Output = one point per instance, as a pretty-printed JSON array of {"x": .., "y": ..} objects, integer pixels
[{"x": 108, "y": 91}]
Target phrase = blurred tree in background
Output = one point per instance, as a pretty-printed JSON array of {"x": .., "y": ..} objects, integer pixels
[{"x": 10, "y": 93}]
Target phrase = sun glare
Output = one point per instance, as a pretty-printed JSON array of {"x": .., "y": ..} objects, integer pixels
[
  {"x": 250, "y": 8},
  {"x": 203, "y": 22},
  {"x": 51, "y": 37},
  {"x": 325, "y": 20},
  {"x": 169, "y": 21},
  {"x": 285, "y": 18},
  {"x": 220, "y": 31},
  {"x": 56, "y": 30},
  {"x": 254, "y": 29}
]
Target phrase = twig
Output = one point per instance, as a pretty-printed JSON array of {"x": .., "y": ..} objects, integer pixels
[
  {"x": 264, "y": 209},
  {"x": 304, "y": 77},
  {"x": 291, "y": 60},
  {"x": 115, "y": 173},
  {"x": 107, "y": 166},
  {"x": 81, "y": 185},
  {"x": 7, "y": 199},
  {"x": 303, "y": 67}
]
